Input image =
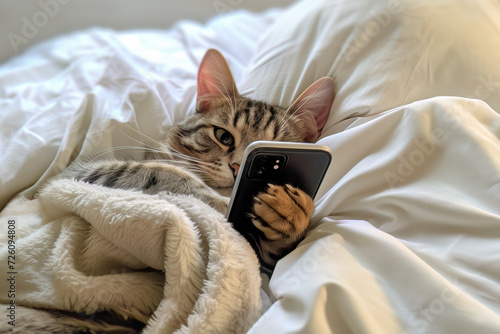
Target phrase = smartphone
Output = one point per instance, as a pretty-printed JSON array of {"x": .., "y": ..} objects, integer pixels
[{"x": 301, "y": 165}]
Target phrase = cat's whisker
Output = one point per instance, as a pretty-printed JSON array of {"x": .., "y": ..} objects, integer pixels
[
  {"x": 175, "y": 152},
  {"x": 290, "y": 123},
  {"x": 114, "y": 149},
  {"x": 284, "y": 121},
  {"x": 164, "y": 149},
  {"x": 177, "y": 162},
  {"x": 190, "y": 167},
  {"x": 183, "y": 156},
  {"x": 154, "y": 145}
]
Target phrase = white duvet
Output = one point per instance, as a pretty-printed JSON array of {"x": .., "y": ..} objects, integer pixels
[{"x": 406, "y": 233}]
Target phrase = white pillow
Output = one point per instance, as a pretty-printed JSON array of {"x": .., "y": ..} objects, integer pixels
[{"x": 382, "y": 54}]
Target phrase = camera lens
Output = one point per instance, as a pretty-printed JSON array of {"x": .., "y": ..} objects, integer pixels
[
  {"x": 260, "y": 171},
  {"x": 261, "y": 160}
]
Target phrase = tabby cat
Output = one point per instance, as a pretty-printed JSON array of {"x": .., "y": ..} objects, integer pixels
[{"x": 201, "y": 155}]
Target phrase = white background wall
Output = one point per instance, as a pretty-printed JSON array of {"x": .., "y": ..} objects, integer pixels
[{"x": 23, "y": 23}]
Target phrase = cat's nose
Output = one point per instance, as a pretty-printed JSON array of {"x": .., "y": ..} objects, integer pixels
[{"x": 235, "y": 168}]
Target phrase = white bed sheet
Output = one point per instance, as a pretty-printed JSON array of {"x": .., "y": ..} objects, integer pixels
[
  {"x": 408, "y": 234},
  {"x": 98, "y": 87},
  {"x": 405, "y": 234}
]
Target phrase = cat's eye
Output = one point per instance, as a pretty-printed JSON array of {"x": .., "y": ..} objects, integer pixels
[{"x": 224, "y": 137}]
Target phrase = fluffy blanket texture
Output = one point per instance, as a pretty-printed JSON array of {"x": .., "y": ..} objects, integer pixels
[{"x": 171, "y": 262}]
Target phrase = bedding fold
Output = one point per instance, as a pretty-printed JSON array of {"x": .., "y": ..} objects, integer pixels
[
  {"x": 405, "y": 234},
  {"x": 171, "y": 262}
]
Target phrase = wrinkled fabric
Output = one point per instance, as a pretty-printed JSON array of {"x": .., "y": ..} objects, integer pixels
[
  {"x": 81, "y": 94},
  {"x": 83, "y": 248},
  {"x": 404, "y": 238}
]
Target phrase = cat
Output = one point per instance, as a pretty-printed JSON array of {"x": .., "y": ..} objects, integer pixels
[{"x": 201, "y": 155}]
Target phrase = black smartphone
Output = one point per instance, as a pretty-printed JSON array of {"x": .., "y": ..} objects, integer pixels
[{"x": 301, "y": 165}]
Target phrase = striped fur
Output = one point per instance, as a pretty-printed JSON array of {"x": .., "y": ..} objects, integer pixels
[{"x": 200, "y": 156}]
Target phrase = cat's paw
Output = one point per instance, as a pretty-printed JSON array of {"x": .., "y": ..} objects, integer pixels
[{"x": 282, "y": 213}]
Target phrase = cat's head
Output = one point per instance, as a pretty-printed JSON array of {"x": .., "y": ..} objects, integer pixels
[{"x": 212, "y": 141}]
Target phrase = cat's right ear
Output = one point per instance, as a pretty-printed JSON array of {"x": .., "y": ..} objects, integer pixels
[{"x": 215, "y": 81}]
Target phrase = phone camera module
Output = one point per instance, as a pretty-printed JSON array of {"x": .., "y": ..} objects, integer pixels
[
  {"x": 265, "y": 166},
  {"x": 261, "y": 160}
]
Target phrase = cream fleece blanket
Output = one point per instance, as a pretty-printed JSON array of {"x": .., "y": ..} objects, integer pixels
[{"x": 170, "y": 261}]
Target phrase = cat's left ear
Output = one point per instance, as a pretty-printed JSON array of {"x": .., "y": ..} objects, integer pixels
[
  {"x": 313, "y": 106},
  {"x": 215, "y": 80}
]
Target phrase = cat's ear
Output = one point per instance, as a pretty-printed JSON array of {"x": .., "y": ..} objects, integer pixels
[
  {"x": 313, "y": 106},
  {"x": 215, "y": 80}
]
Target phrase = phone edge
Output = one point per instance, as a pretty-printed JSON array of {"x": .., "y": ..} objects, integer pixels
[{"x": 272, "y": 144}]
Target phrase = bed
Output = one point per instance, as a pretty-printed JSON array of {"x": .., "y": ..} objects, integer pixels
[{"x": 405, "y": 237}]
